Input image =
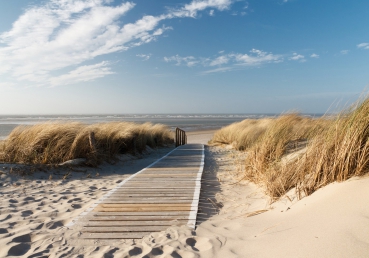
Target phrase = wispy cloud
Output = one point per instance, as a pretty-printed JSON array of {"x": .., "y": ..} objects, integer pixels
[
  {"x": 256, "y": 57},
  {"x": 297, "y": 57},
  {"x": 217, "y": 70},
  {"x": 82, "y": 73},
  {"x": 344, "y": 52},
  {"x": 59, "y": 35},
  {"x": 144, "y": 57},
  {"x": 220, "y": 60},
  {"x": 253, "y": 58},
  {"x": 234, "y": 61},
  {"x": 187, "y": 60},
  {"x": 363, "y": 45}
]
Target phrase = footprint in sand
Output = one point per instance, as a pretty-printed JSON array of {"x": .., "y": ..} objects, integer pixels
[
  {"x": 76, "y": 206},
  {"x": 199, "y": 244},
  {"x": 54, "y": 224},
  {"x": 183, "y": 254},
  {"x": 27, "y": 213},
  {"x": 155, "y": 252},
  {"x": 5, "y": 217},
  {"x": 40, "y": 254},
  {"x": 19, "y": 249},
  {"x": 75, "y": 200},
  {"x": 22, "y": 238},
  {"x": 3, "y": 231},
  {"x": 29, "y": 198},
  {"x": 135, "y": 251}
]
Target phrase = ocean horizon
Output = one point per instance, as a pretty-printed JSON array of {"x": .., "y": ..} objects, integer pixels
[{"x": 187, "y": 122}]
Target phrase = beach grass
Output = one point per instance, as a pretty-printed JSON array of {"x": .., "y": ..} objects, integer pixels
[
  {"x": 292, "y": 151},
  {"x": 54, "y": 142}
]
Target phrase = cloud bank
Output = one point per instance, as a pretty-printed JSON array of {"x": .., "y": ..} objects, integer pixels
[
  {"x": 363, "y": 45},
  {"x": 61, "y": 35}
]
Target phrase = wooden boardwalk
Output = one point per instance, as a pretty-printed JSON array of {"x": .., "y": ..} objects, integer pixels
[{"x": 164, "y": 194}]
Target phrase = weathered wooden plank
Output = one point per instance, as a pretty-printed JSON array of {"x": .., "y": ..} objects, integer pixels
[
  {"x": 162, "y": 190},
  {"x": 147, "y": 213},
  {"x": 149, "y": 201},
  {"x": 161, "y": 183},
  {"x": 123, "y": 235},
  {"x": 143, "y": 195},
  {"x": 172, "y": 167},
  {"x": 163, "y": 208},
  {"x": 159, "y": 187},
  {"x": 124, "y": 229},
  {"x": 155, "y": 191},
  {"x": 168, "y": 175},
  {"x": 139, "y": 218},
  {"x": 133, "y": 205},
  {"x": 135, "y": 223},
  {"x": 148, "y": 198}
]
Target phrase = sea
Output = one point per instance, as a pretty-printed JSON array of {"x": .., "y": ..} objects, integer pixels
[{"x": 187, "y": 122}]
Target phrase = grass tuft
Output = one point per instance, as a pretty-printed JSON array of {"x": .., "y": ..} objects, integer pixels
[{"x": 54, "y": 143}]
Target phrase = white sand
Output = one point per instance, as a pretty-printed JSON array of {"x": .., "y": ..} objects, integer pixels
[{"x": 333, "y": 222}]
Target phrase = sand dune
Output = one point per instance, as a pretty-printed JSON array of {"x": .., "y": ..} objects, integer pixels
[{"x": 238, "y": 220}]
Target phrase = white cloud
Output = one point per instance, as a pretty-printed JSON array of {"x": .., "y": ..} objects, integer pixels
[
  {"x": 363, "y": 45},
  {"x": 187, "y": 60},
  {"x": 211, "y": 12},
  {"x": 64, "y": 34},
  {"x": 344, "y": 52},
  {"x": 314, "y": 55},
  {"x": 297, "y": 57},
  {"x": 144, "y": 57},
  {"x": 254, "y": 58},
  {"x": 257, "y": 57},
  {"x": 82, "y": 74},
  {"x": 191, "y": 9},
  {"x": 219, "y": 60},
  {"x": 217, "y": 70}
]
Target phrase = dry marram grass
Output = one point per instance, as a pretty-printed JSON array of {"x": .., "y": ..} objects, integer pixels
[
  {"x": 267, "y": 142},
  {"x": 53, "y": 143}
]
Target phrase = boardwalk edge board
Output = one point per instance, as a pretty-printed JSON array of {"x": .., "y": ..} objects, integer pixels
[
  {"x": 195, "y": 203},
  {"x": 70, "y": 224}
]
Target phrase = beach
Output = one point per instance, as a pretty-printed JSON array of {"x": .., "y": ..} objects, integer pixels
[{"x": 34, "y": 212}]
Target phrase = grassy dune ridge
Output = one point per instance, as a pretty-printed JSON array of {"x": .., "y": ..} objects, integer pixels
[
  {"x": 323, "y": 150},
  {"x": 53, "y": 142}
]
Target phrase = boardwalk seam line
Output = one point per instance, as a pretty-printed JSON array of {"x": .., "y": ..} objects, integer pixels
[
  {"x": 93, "y": 206},
  {"x": 196, "y": 195}
]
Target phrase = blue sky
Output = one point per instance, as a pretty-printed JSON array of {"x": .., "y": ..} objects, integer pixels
[{"x": 200, "y": 56}]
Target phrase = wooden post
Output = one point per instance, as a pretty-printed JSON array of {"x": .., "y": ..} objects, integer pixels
[
  {"x": 92, "y": 140},
  {"x": 181, "y": 137},
  {"x": 177, "y": 137},
  {"x": 134, "y": 145},
  {"x": 92, "y": 158}
]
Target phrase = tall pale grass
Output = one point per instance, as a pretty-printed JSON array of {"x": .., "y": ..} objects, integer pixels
[
  {"x": 241, "y": 135},
  {"x": 266, "y": 142},
  {"x": 339, "y": 153},
  {"x": 336, "y": 152},
  {"x": 53, "y": 143}
]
